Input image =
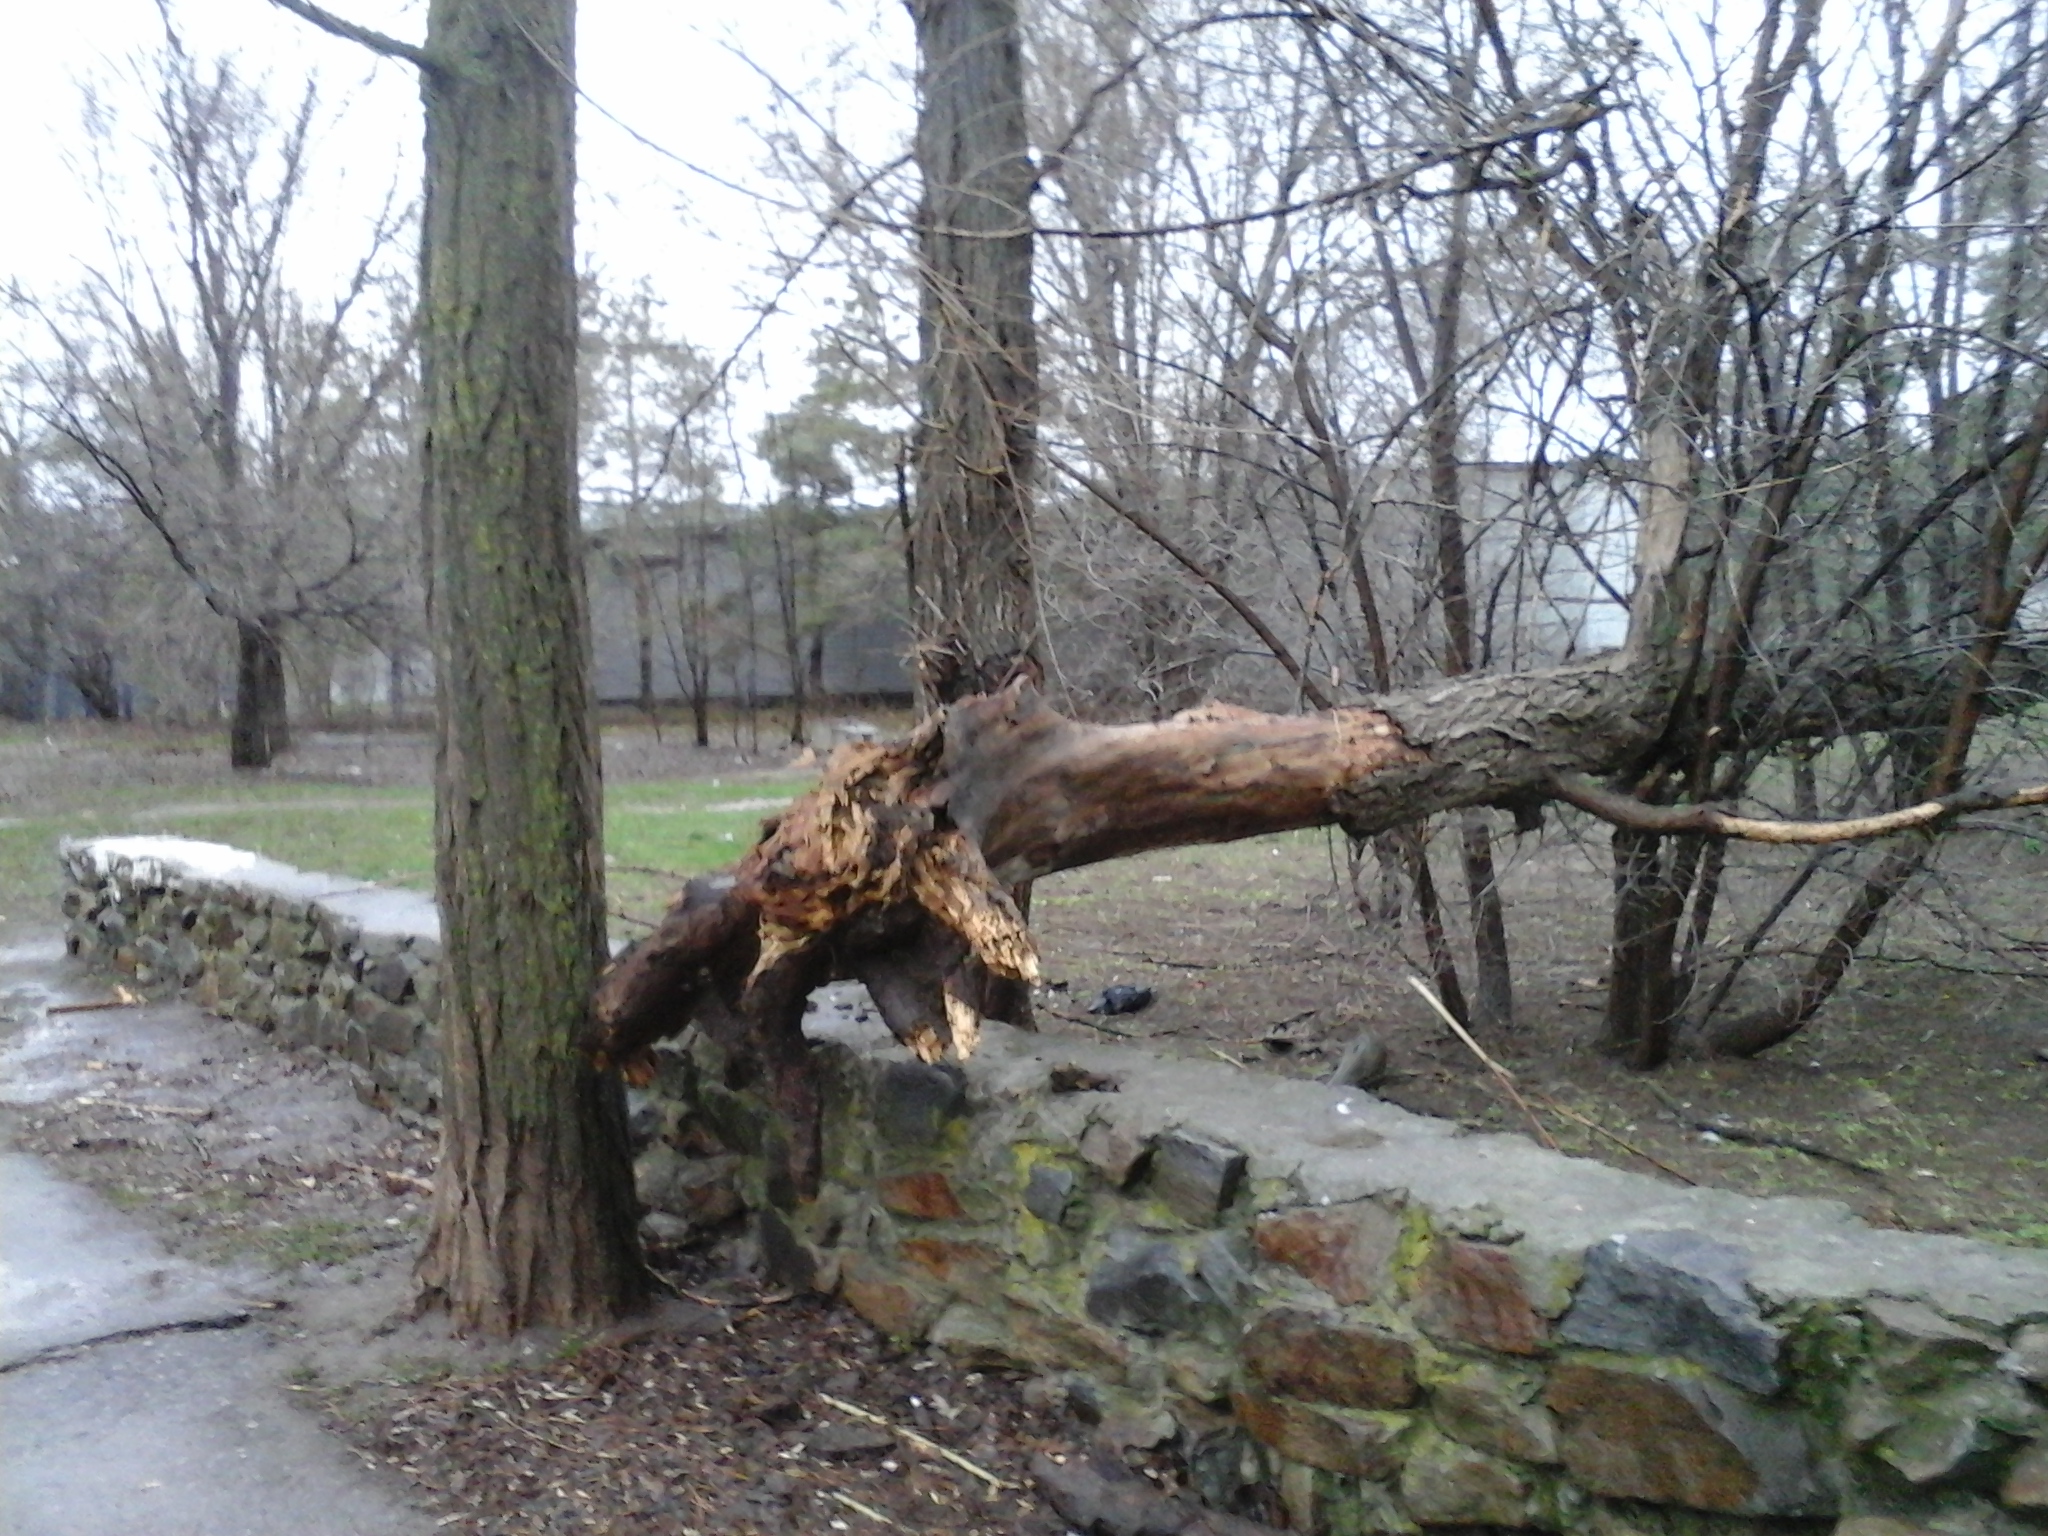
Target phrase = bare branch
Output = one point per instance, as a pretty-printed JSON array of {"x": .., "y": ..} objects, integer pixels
[
  {"x": 1712, "y": 821},
  {"x": 376, "y": 42}
]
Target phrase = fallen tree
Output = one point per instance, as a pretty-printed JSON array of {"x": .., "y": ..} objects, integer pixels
[{"x": 898, "y": 869}]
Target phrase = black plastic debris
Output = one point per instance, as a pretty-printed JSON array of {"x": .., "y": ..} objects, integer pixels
[{"x": 1121, "y": 999}]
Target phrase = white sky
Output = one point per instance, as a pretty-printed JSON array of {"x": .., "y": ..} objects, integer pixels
[{"x": 669, "y": 70}]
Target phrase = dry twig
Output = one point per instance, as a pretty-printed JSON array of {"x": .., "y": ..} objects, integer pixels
[
  {"x": 1501, "y": 1073},
  {"x": 929, "y": 1446},
  {"x": 122, "y": 998}
]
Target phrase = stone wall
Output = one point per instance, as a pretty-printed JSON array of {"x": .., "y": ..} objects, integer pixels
[
  {"x": 315, "y": 960},
  {"x": 1371, "y": 1320}
]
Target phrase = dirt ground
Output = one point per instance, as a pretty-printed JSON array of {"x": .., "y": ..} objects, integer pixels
[{"x": 1918, "y": 1099}]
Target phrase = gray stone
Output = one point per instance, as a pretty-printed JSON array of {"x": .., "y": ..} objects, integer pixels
[
  {"x": 1914, "y": 1347},
  {"x": 2028, "y": 1357},
  {"x": 185, "y": 960},
  {"x": 646, "y": 1118},
  {"x": 2026, "y": 1480},
  {"x": 701, "y": 1190},
  {"x": 1961, "y": 1433},
  {"x": 914, "y": 1103},
  {"x": 1676, "y": 1293},
  {"x": 1144, "y": 1289},
  {"x": 675, "y": 1074},
  {"x": 660, "y": 1227},
  {"x": 787, "y": 1260},
  {"x": 1196, "y": 1177},
  {"x": 375, "y": 943},
  {"x": 391, "y": 1031},
  {"x": 1495, "y": 1409},
  {"x": 1048, "y": 1191},
  {"x": 1445, "y": 1483},
  {"x": 844, "y": 1442},
  {"x": 974, "y": 1338},
  {"x": 1224, "y": 1264},
  {"x": 1931, "y": 1399},
  {"x": 298, "y": 1022},
  {"x": 1114, "y": 1151},
  {"x": 416, "y": 1085},
  {"x": 330, "y": 1028},
  {"x": 390, "y": 978},
  {"x": 297, "y": 978},
  {"x": 1108, "y": 1500}
]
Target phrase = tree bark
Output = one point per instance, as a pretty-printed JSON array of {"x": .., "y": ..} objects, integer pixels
[
  {"x": 534, "y": 1218},
  {"x": 975, "y": 597},
  {"x": 260, "y": 728}
]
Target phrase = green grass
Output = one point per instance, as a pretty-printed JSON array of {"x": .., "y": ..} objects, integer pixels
[
  {"x": 655, "y": 833},
  {"x": 321, "y": 1241}
]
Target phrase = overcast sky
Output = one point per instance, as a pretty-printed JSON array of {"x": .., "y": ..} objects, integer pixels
[{"x": 672, "y": 72}]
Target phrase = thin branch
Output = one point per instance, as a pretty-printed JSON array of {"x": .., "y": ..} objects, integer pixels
[
  {"x": 1201, "y": 573},
  {"x": 1501, "y": 1074},
  {"x": 376, "y": 42},
  {"x": 1712, "y": 821}
]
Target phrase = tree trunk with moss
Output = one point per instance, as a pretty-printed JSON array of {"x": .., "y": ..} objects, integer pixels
[
  {"x": 975, "y": 603},
  {"x": 534, "y": 1218}
]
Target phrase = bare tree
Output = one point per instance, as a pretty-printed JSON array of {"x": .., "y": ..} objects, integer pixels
[
  {"x": 820, "y": 451},
  {"x": 234, "y": 417},
  {"x": 643, "y": 391}
]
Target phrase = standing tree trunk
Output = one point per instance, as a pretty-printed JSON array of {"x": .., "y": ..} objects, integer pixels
[
  {"x": 1493, "y": 995},
  {"x": 92, "y": 673},
  {"x": 643, "y": 632},
  {"x": 975, "y": 598},
  {"x": 974, "y": 592},
  {"x": 534, "y": 1217},
  {"x": 260, "y": 729}
]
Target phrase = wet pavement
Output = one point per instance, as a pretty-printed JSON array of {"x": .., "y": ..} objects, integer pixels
[{"x": 139, "y": 1393}]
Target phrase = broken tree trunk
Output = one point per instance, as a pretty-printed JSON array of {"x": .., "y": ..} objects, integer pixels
[{"x": 897, "y": 869}]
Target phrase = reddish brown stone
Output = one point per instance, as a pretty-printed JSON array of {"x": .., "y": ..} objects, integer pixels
[
  {"x": 2026, "y": 1483},
  {"x": 1345, "y": 1249},
  {"x": 1472, "y": 1293},
  {"x": 957, "y": 1264},
  {"x": 1352, "y": 1445},
  {"x": 925, "y": 1196},
  {"x": 1634, "y": 1436},
  {"x": 903, "y": 1307},
  {"x": 1298, "y": 1354}
]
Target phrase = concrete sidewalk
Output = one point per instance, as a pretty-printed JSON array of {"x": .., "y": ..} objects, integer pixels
[{"x": 138, "y": 1397}]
